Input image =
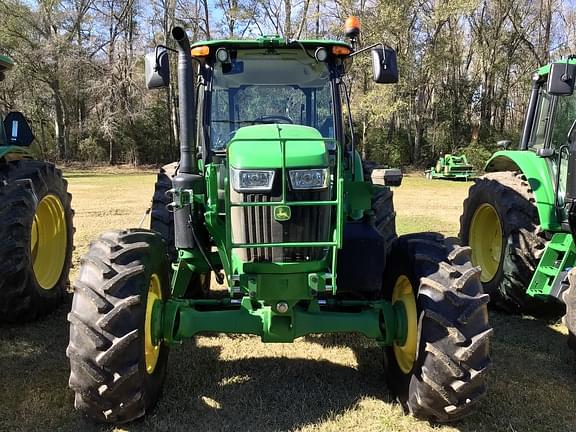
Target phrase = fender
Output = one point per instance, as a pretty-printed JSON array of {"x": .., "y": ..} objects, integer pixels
[
  {"x": 537, "y": 172},
  {"x": 9, "y": 153}
]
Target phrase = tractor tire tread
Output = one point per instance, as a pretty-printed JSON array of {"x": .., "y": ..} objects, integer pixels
[
  {"x": 104, "y": 344},
  {"x": 21, "y": 297},
  {"x": 524, "y": 239},
  {"x": 453, "y": 341}
]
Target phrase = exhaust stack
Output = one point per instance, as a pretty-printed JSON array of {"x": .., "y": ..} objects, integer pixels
[
  {"x": 188, "y": 163},
  {"x": 187, "y": 177}
]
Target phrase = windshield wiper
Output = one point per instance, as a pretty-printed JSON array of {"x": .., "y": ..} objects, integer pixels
[{"x": 231, "y": 121}]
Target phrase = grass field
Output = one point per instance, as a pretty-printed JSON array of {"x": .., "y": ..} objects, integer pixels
[{"x": 321, "y": 383}]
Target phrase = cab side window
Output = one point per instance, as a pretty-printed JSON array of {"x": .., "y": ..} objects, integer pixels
[
  {"x": 564, "y": 115},
  {"x": 541, "y": 121}
]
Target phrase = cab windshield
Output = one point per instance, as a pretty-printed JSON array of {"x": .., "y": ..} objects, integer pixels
[{"x": 262, "y": 86}]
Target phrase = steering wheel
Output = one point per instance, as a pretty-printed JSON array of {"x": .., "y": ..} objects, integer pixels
[{"x": 266, "y": 119}]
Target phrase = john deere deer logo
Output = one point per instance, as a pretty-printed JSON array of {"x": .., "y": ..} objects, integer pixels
[{"x": 282, "y": 213}]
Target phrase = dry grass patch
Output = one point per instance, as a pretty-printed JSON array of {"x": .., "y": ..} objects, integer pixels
[{"x": 319, "y": 383}]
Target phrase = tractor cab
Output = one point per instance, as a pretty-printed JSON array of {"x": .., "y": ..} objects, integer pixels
[
  {"x": 269, "y": 82},
  {"x": 15, "y": 132}
]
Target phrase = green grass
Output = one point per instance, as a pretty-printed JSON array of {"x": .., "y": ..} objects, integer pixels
[{"x": 319, "y": 383}]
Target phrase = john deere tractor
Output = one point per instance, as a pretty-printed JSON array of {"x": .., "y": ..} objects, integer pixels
[
  {"x": 270, "y": 197},
  {"x": 519, "y": 218},
  {"x": 36, "y": 224}
]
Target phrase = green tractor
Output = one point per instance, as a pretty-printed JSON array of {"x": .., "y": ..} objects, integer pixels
[
  {"x": 519, "y": 218},
  {"x": 36, "y": 228},
  {"x": 270, "y": 197},
  {"x": 451, "y": 167}
]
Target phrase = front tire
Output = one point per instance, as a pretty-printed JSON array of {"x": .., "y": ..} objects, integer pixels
[
  {"x": 37, "y": 239},
  {"x": 500, "y": 223},
  {"x": 438, "y": 372},
  {"x": 117, "y": 372}
]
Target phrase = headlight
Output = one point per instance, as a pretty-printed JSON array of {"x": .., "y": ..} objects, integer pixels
[
  {"x": 309, "y": 179},
  {"x": 252, "y": 180}
]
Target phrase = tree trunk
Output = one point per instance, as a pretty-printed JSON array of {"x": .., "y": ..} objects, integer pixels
[
  {"x": 288, "y": 18},
  {"x": 172, "y": 93},
  {"x": 59, "y": 122},
  {"x": 317, "y": 34}
]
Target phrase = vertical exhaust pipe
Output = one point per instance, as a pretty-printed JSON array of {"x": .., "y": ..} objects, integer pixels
[
  {"x": 187, "y": 177},
  {"x": 185, "y": 102}
]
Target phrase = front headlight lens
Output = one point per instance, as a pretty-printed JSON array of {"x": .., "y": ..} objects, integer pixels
[
  {"x": 252, "y": 180},
  {"x": 309, "y": 179}
]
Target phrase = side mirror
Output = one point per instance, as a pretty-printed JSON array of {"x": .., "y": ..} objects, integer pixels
[
  {"x": 504, "y": 144},
  {"x": 157, "y": 67},
  {"x": 561, "y": 79},
  {"x": 18, "y": 130},
  {"x": 384, "y": 67},
  {"x": 545, "y": 152}
]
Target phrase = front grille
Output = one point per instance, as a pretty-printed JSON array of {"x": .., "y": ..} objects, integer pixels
[{"x": 257, "y": 225}]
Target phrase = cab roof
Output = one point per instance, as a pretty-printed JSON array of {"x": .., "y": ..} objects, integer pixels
[
  {"x": 6, "y": 63},
  {"x": 270, "y": 41},
  {"x": 545, "y": 70}
]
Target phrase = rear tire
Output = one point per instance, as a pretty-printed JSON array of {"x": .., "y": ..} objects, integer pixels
[
  {"x": 37, "y": 239},
  {"x": 441, "y": 376},
  {"x": 523, "y": 242},
  {"x": 384, "y": 214},
  {"x": 107, "y": 348},
  {"x": 162, "y": 221}
]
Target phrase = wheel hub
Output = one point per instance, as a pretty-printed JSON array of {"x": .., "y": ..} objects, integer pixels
[
  {"x": 486, "y": 241},
  {"x": 48, "y": 241},
  {"x": 405, "y": 351},
  {"x": 151, "y": 350}
]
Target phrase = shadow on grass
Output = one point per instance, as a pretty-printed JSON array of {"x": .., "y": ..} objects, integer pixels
[{"x": 531, "y": 385}]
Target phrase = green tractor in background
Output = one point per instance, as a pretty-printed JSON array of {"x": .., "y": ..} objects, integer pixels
[
  {"x": 451, "y": 167},
  {"x": 270, "y": 191},
  {"x": 36, "y": 224},
  {"x": 519, "y": 218}
]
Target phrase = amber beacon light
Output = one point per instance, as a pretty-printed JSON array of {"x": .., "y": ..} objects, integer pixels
[{"x": 352, "y": 27}]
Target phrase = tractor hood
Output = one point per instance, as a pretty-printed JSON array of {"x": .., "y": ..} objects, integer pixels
[{"x": 259, "y": 146}]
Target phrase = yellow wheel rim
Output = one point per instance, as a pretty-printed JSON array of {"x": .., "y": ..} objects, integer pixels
[
  {"x": 48, "y": 241},
  {"x": 406, "y": 354},
  {"x": 151, "y": 351},
  {"x": 486, "y": 241}
]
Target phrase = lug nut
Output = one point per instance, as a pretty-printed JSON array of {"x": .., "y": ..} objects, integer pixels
[{"x": 282, "y": 307}]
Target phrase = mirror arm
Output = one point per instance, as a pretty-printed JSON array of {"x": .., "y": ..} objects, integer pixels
[
  {"x": 379, "y": 44},
  {"x": 157, "y": 67},
  {"x": 571, "y": 131},
  {"x": 352, "y": 136}
]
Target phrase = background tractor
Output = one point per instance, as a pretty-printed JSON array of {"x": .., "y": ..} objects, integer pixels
[
  {"x": 519, "y": 217},
  {"x": 36, "y": 229},
  {"x": 270, "y": 196},
  {"x": 451, "y": 167}
]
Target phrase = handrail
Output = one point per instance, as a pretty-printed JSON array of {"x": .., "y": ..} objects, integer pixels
[{"x": 338, "y": 203}]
